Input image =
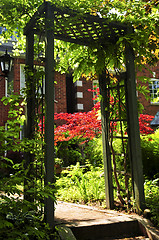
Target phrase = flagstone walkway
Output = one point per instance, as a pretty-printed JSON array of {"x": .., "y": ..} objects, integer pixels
[{"x": 90, "y": 222}]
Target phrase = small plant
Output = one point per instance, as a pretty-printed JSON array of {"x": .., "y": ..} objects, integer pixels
[
  {"x": 81, "y": 184},
  {"x": 152, "y": 199},
  {"x": 58, "y": 161},
  {"x": 150, "y": 154},
  {"x": 21, "y": 218},
  {"x": 18, "y": 222}
]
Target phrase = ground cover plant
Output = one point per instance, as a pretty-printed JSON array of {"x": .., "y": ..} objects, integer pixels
[
  {"x": 75, "y": 183},
  {"x": 21, "y": 208},
  {"x": 150, "y": 153},
  {"x": 86, "y": 186},
  {"x": 152, "y": 199},
  {"x": 78, "y": 184}
]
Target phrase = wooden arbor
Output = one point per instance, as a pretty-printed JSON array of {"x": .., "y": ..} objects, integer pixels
[{"x": 65, "y": 24}]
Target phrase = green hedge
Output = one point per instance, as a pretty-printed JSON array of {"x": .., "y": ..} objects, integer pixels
[
  {"x": 150, "y": 154},
  {"x": 74, "y": 151}
]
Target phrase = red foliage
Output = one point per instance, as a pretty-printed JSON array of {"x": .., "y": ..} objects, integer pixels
[
  {"x": 144, "y": 124},
  {"x": 81, "y": 125},
  {"x": 87, "y": 125}
]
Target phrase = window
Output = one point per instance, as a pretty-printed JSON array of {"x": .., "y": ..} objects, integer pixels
[
  {"x": 21, "y": 132},
  {"x": 22, "y": 77},
  {"x": 41, "y": 87},
  {"x": 9, "y": 84},
  {"x": 154, "y": 90},
  {"x": 6, "y": 128}
]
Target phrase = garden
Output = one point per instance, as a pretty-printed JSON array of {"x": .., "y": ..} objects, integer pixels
[
  {"x": 78, "y": 152},
  {"x": 82, "y": 177},
  {"x": 78, "y": 145}
]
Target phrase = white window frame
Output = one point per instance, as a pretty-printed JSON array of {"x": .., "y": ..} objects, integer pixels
[
  {"x": 7, "y": 93},
  {"x": 79, "y": 106},
  {"x": 22, "y": 77},
  {"x": 79, "y": 95},
  {"x": 6, "y": 128},
  {"x": 78, "y": 83},
  {"x": 154, "y": 90}
]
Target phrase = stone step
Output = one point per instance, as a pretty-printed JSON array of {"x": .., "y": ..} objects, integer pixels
[
  {"x": 132, "y": 238},
  {"x": 66, "y": 234},
  {"x": 88, "y": 223},
  {"x": 118, "y": 230}
]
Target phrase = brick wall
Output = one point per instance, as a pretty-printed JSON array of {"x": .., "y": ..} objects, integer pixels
[
  {"x": 82, "y": 97},
  {"x": 149, "y": 108},
  {"x": 60, "y": 93},
  {"x": 84, "y": 102},
  {"x": 60, "y": 90},
  {"x": 3, "y": 109}
]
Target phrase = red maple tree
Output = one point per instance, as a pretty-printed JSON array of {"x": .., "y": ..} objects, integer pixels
[
  {"x": 82, "y": 125},
  {"x": 87, "y": 125},
  {"x": 144, "y": 124}
]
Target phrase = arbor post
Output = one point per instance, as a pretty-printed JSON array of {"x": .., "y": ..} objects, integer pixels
[
  {"x": 133, "y": 129},
  {"x": 29, "y": 111},
  {"x": 49, "y": 112},
  {"x": 104, "y": 91}
]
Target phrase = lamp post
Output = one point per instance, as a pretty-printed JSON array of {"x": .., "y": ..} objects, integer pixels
[{"x": 5, "y": 64}]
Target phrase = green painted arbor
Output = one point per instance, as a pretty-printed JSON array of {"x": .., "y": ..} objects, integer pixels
[{"x": 53, "y": 22}]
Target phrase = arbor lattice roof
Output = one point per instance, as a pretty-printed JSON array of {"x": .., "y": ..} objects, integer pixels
[{"x": 77, "y": 27}]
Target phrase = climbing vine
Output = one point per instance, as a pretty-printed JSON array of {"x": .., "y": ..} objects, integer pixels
[
  {"x": 142, "y": 15},
  {"x": 90, "y": 61}
]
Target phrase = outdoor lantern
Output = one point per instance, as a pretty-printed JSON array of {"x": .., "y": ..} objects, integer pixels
[{"x": 6, "y": 64}]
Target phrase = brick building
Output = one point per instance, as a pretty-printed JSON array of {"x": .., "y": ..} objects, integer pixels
[
  {"x": 151, "y": 106},
  {"x": 69, "y": 97},
  {"x": 72, "y": 97}
]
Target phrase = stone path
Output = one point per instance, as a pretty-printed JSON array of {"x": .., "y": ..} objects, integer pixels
[
  {"x": 80, "y": 215},
  {"x": 89, "y": 223}
]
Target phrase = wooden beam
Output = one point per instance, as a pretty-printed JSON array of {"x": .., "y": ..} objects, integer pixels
[
  {"x": 49, "y": 111},
  {"x": 133, "y": 127},
  {"x": 31, "y": 24},
  {"x": 29, "y": 112},
  {"x": 105, "y": 141}
]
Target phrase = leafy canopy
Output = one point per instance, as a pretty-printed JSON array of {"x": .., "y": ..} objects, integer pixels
[{"x": 142, "y": 15}]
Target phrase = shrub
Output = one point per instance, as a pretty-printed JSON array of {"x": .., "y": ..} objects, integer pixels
[
  {"x": 74, "y": 151},
  {"x": 81, "y": 184},
  {"x": 150, "y": 154},
  {"x": 93, "y": 152},
  {"x": 152, "y": 199},
  {"x": 70, "y": 152},
  {"x": 18, "y": 222},
  {"x": 21, "y": 218}
]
